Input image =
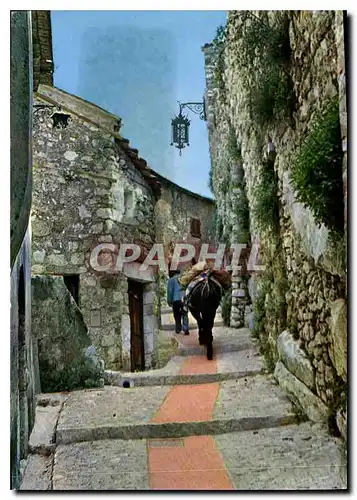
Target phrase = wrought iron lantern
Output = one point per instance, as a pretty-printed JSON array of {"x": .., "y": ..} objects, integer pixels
[
  {"x": 180, "y": 132},
  {"x": 180, "y": 124}
]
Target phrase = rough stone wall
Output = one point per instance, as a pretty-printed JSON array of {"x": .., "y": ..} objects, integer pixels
[
  {"x": 87, "y": 192},
  {"x": 227, "y": 182},
  {"x": 173, "y": 213},
  {"x": 24, "y": 381},
  {"x": 67, "y": 360},
  {"x": 307, "y": 272},
  {"x": 24, "y": 378},
  {"x": 21, "y": 104},
  {"x": 342, "y": 35}
]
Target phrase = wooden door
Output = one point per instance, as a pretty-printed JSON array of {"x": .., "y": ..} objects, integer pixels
[{"x": 135, "y": 291}]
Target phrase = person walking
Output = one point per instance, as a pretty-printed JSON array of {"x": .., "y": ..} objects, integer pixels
[{"x": 174, "y": 299}]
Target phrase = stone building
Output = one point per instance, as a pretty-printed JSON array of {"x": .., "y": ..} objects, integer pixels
[
  {"x": 253, "y": 159},
  {"x": 24, "y": 382},
  {"x": 91, "y": 188},
  {"x": 183, "y": 216}
]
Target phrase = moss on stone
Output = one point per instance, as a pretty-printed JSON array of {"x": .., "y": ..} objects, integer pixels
[
  {"x": 317, "y": 171},
  {"x": 269, "y": 306},
  {"x": 65, "y": 362},
  {"x": 266, "y": 206},
  {"x": 263, "y": 58},
  {"x": 166, "y": 347}
]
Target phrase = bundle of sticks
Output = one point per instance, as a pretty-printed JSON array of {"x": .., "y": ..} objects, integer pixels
[{"x": 223, "y": 277}]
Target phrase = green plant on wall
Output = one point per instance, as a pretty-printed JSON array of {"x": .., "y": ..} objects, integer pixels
[
  {"x": 269, "y": 309},
  {"x": 317, "y": 170},
  {"x": 219, "y": 228},
  {"x": 242, "y": 211},
  {"x": 234, "y": 149},
  {"x": 242, "y": 206},
  {"x": 218, "y": 73},
  {"x": 271, "y": 96},
  {"x": 264, "y": 287},
  {"x": 266, "y": 207},
  {"x": 211, "y": 225},
  {"x": 210, "y": 180},
  {"x": 219, "y": 42},
  {"x": 264, "y": 57},
  {"x": 221, "y": 33}
]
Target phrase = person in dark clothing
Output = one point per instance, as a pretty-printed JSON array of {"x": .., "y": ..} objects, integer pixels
[{"x": 174, "y": 299}]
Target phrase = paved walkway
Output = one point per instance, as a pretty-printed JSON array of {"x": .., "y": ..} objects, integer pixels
[
  {"x": 193, "y": 425},
  {"x": 192, "y": 462}
]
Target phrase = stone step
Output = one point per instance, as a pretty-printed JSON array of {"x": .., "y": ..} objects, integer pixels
[
  {"x": 225, "y": 340},
  {"x": 230, "y": 365},
  {"x": 172, "y": 429},
  {"x": 118, "y": 413},
  {"x": 292, "y": 457},
  {"x": 119, "y": 380}
]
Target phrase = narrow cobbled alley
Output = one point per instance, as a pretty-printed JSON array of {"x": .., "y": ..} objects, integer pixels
[
  {"x": 177, "y": 175},
  {"x": 192, "y": 425}
]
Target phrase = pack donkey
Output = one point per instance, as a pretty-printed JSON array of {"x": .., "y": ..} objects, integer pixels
[{"x": 202, "y": 298}]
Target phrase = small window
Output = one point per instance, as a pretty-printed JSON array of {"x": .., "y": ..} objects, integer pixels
[
  {"x": 128, "y": 204},
  {"x": 60, "y": 120},
  {"x": 196, "y": 228}
]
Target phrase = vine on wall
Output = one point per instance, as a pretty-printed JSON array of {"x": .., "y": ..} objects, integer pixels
[
  {"x": 317, "y": 171},
  {"x": 242, "y": 206},
  {"x": 266, "y": 207},
  {"x": 264, "y": 56},
  {"x": 219, "y": 42}
]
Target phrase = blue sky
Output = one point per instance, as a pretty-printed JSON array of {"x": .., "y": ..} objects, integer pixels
[{"x": 138, "y": 64}]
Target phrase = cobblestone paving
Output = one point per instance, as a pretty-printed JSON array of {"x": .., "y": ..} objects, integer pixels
[
  {"x": 216, "y": 434},
  {"x": 101, "y": 465},
  {"x": 294, "y": 457},
  {"x": 247, "y": 397},
  {"x": 110, "y": 406}
]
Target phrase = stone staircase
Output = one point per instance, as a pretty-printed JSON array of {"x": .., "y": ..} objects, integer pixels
[{"x": 194, "y": 424}]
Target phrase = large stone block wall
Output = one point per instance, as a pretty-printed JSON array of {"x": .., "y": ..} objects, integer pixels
[
  {"x": 312, "y": 267},
  {"x": 66, "y": 356},
  {"x": 87, "y": 192}
]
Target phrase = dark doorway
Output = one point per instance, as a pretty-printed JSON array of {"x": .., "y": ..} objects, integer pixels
[
  {"x": 137, "y": 354},
  {"x": 72, "y": 283}
]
